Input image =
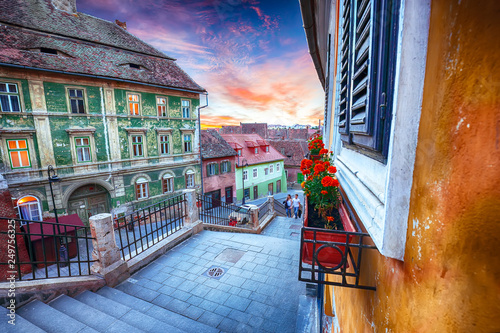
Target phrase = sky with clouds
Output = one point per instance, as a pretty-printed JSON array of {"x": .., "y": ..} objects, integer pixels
[{"x": 251, "y": 56}]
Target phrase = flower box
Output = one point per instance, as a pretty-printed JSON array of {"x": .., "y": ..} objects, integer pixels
[{"x": 329, "y": 257}]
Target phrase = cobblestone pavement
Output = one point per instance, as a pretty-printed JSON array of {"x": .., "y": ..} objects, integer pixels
[{"x": 257, "y": 292}]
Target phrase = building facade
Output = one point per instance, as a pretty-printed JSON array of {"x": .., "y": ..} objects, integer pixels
[
  {"x": 412, "y": 113},
  {"x": 114, "y": 117},
  {"x": 260, "y": 171},
  {"x": 294, "y": 151},
  {"x": 219, "y": 165}
]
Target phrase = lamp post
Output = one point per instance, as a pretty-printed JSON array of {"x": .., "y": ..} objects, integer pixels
[
  {"x": 63, "y": 252},
  {"x": 243, "y": 176}
]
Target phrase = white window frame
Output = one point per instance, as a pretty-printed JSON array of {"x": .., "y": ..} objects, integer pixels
[
  {"x": 138, "y": 102},
  {"x": 83, "y": 148},
  {"x": 163, "y": 144},
  {"x": 266, "y": 171},
  {"x": 164, "y": 112},
  {"x": 271, "y": 168},
  {"x": 30, "y": 204},
  {"x": 18, "y": 94},
  {"x": 212, "y": 167},
  {"x": 189, "y": 179},
  {"x": 137, "y": 144},
  {"x": 18, "y": 151},
  {"x": 224, "y": 166},
  {"x": 255, "y": 173},
  {"x": 184, "y": 108},
  {"x": 278, "y": 165},
  {"x": 245, "y": 175},
  {"x": 168, "y": 185},
  {"x": 142, "y": 188},
  {"x": 83, "y": 98}
]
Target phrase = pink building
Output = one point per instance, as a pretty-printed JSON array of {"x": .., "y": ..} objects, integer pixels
[{"x": 219, "y": 165}]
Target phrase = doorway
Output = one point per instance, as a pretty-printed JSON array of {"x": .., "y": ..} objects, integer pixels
[
  {"x": 270, "y": 188},
  {"x": 88, "y": 200},
  {"x": 229, "y": 194},
  {"x": 214, "y": 198},
  {"x": 255, "y": 192},
  {"x": 278, "y": 186}
]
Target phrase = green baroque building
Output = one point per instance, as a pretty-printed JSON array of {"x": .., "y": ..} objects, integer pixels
[{"x": 116, "y": 118}]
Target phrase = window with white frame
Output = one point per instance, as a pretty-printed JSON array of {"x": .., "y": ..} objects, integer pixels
[
  {"x": 212, "y": 169},
  {"x": 245, "y": 175},
  {"x": 187, "y": 143},
  {"x": 186, "y": 108},
  {"x": 278, "y": 167},
  {"x": 141, "y": 188},
  {"x": 137, "y": 145},
  {"x": 190, "y": 179},
  {"x": 225, "y": 167},
  {"x": 255, "y": 173},
  {"x": 271, "y": 168},
  {"x": 168, "y": 183},
  {"x": 161, "y": 106},
  {"x": 82, "y": 145},
  {"x": 76, "y": 100},
  {"x": 133, "y": 104},
  {"x": 164, "y": 145},
  {"x": 256, "y": 150},
  {"x": 266, "y": 171},
  {"x": 19, "y": 153},
  {"x": 9, "y": 97},
  {"x": 29, "y": 208}
]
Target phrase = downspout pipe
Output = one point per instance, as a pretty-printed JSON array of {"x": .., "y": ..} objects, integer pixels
[{"x": 199, "y": 142}]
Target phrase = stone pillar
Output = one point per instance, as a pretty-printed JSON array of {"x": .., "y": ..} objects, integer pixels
[
  {"x": 254, "y": 214},
  {"x": 191, "y": 208},
  {"x": 109, "y": 263},
  {"x": 270, "y": 198}
]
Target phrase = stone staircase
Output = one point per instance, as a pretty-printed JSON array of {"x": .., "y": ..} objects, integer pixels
[{"x": 107, "y": 310}]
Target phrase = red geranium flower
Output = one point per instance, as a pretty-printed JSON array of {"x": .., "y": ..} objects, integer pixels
[
  {"x": 319, "y": 168},
  {"x": 323, "y": 151},
  {"x": 327, "y": 181},
  {"x": 324, "y": 192},
  {"x": 332, "y": 169}
]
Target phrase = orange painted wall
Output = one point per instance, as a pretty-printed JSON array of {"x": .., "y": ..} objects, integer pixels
[{"x": 450, "y": 278}]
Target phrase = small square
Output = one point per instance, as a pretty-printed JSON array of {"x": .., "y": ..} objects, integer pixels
[{"x": 215, "y": 272}]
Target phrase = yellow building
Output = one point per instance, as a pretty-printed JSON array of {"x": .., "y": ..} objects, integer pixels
[{"x": 413, "y": 118}]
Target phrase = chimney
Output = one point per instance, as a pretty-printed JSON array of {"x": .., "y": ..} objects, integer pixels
[
  {"x": 121, "y": 24},
  {"x": 68, "y": 6}
]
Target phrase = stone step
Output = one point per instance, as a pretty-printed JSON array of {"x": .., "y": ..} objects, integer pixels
[
  {"x": 21, "y": 325},
  {"x": 90, "y": 316},
  {"x": 50, "y": 319},
  {"x": 126, "y": 314},
  {"x": 174, "y": 319}
]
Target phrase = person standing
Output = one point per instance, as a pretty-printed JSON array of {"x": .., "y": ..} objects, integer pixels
[
  {"x": 296, "y": 205},
  {"x": 288, "y": 205}
]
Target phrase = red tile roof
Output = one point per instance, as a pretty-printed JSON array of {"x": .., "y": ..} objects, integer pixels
[
  {"x": 85, "y": 45},
  {"x": 248, "y": 153}
]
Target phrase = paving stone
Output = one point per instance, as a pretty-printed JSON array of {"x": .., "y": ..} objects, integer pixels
[
  {"x": 237, "y": 302},
  {"x": 244, "y": 293},
  {"x": 228, "y": 325},
  {"x": 259, "y": 277},
  {"x": 222, "y": 310},
  {"x": 180, "y": 295},
  {"x": 149, "y": 284},
  {"x": 176, "y": 306},
  {"x": 194, "y": 300},
  {"x": 241, "y": 317},
  {"x": 193, "y": 312},
  {"x": 167, "y": 290},
  {"x": 162, "y": 300},
  {"x": 208, "y": 305},
  {"x": 256, "y": 322},
  {"x": 257, "y": 308},
  {"x": 173, "y": 281},
  {"x": 217, "y": 296},
  {"x": 251, "y": 285},
  {"x": 200, "y": 290},
  {"x": 211, "y": 319},
  {"x": 160, "y": 277},
  {"x": 249, "y": 266}
]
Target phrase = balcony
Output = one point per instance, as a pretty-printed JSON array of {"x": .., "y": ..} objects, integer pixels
[{"x": 335, "y": 252}]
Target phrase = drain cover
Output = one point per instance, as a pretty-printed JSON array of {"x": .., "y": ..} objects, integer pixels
[{"x": 215, "y": 272}]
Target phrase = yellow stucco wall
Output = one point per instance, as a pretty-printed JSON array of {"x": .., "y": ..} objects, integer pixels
[{"x": 450, "y": 278}]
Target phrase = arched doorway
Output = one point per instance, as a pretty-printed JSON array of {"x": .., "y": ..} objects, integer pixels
[{"x": 88, "y": 200}]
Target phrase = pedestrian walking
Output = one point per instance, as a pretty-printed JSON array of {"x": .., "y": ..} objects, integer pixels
[
  {"x": 288, "y": 205},
  {"x": 296, "y": 205}
]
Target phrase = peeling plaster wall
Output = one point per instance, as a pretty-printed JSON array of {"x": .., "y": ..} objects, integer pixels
[{"x": 448, "y": 281}]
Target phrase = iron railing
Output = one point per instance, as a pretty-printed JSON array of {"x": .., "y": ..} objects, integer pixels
[
  {"x": 344, "y": 258},
  {"x": 145, "y": 227},
  {"x": 33, "y": 250},
  {"x": 264, "y": 210},
  {"x": 214, "y": 211},
  {"x": 279, "y": 208}
]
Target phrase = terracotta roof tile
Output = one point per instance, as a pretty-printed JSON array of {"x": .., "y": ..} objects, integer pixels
[
  {"x": 248, "y": 153},
  {"x": 214, "y": 146}
]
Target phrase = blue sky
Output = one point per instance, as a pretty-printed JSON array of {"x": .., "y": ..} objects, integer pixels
[{"x": 251, "y": 56}]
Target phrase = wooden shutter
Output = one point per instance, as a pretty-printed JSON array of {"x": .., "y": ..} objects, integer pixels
[
  {"x": 208, "y": 170},
  {"x": 216, "y": 168},
  {"x": 361, "y": 67},
  {"x": 228, "y": 166},
  {"x": 345, "y": 56}
]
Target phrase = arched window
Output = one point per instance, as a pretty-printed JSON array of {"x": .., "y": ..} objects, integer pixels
[
  {"x": 168, "y": 183},
  {"x": 29, "y": 208},
  {"x": 189, "y": 179},
  {"x": 141, "y": 188}
]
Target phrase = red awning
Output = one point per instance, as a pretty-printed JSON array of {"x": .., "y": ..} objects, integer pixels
[{"x": 67, "y": 224}]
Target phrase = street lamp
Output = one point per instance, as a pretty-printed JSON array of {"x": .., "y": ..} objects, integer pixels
[
  {"x": 63, "y": 252},
  {"x": 243, "y": 176}
]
